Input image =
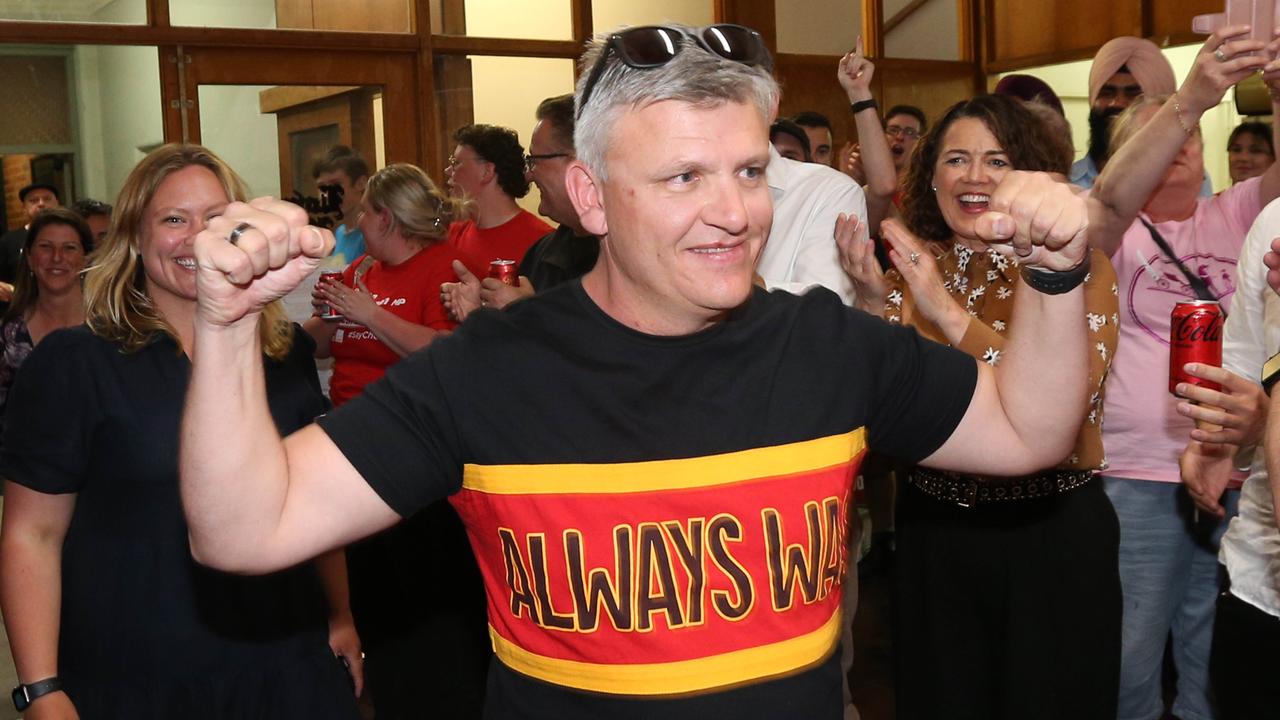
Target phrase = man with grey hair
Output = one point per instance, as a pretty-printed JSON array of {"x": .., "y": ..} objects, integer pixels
[{"x": 659, "y": 514}]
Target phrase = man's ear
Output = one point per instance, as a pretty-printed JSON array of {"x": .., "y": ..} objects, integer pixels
[
  {"x": 488, "y": 172},
  {"x": 587, "y": 196}
]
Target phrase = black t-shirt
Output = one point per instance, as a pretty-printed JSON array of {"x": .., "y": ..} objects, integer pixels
[
  {"x": 659, "y": 520},
  {"x": 142, "y": 625},
  {"x": 558, "y": 257}
]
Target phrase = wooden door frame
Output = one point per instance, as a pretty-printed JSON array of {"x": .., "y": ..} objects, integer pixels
[{"x": 395, "y": 72}]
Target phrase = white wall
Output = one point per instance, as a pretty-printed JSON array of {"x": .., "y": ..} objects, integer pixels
[
  {"x": 607, "y": 15},
  {"x": 133, "y": 12},
  {"x": 118, "y": 106},
  {"x": 818, "y": 27},
  {"x": 224, "y": 13},
  {"x": 232, "y": 126},
  {"x": 1071, "y": 82},
  {"x": 507, "y": 90},
  {"x": 537, "y": 19},
  {"x": 930, "y": 33}
]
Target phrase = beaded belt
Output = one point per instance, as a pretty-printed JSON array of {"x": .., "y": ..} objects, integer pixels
[{"x": 969, "y": 490}]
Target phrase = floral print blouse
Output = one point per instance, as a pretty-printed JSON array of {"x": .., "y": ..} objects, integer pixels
[
  {"x": 983, "y": 282},
  {"x": 15, "y": 346}
]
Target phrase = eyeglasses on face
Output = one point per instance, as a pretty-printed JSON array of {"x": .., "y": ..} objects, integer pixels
[
  {"x": 652, "y": 46},
  {"x": 531, "y": 160},
  {"x": 907, "y": 133}
]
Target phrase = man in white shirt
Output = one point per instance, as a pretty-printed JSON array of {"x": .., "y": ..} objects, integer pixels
[
  {"x": 801, "y": 251},
  {"x": 1243, "y": 663}
]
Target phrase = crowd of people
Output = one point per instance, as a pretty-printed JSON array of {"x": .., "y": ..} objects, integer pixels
[{"x": 621, "y": 483}]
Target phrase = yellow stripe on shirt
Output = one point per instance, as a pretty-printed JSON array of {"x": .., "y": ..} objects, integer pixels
[
  {"x": 662, "y": 475},
  {"x": 679, "y": 677}
]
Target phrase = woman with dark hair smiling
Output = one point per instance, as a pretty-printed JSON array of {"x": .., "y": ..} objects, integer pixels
[
  {"x": 997, "y": 579},
  {"x": 46, "y": 292},
  {"x": 1250, "y": 150}
]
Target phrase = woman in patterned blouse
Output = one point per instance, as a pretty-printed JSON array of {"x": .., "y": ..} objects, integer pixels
[
  {"x": 1007, "y": 588},
  {"x": 46, "y": 293}
]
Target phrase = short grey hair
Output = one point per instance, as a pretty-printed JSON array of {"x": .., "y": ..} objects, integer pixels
[{"x": 693, "y": 76}]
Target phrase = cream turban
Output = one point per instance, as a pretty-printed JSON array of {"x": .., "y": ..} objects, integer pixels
[{"x": 1145, "y": 61}]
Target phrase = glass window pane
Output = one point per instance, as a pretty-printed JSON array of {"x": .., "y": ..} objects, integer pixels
[
  {"x": 342, "y": 15},
  {"x": 503, "y": 91},
  {"x": 927, "y": 32},
  {"x": 607, "y": 15},
  {"x": 274, "y": 135},
  {"x": 81, "y": 127},
  {"x": 532, "y": 19},
  {"x": 823, "y": 27},
  {"x": 132, "y": 12}
]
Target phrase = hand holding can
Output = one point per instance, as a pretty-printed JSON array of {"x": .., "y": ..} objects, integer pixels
[
  {"x": 504, "y": 271},
  {"x": 1195, "y": 336},
  {"x": 324, "y": 310}
]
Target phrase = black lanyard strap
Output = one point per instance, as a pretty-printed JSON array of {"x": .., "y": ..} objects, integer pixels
[{"x": 1197, "y": 283}]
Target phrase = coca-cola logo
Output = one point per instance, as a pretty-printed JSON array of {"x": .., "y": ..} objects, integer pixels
[{"x": 1190, "y": 331}]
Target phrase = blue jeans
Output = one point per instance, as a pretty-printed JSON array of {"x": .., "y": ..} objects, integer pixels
[{"x": 1169, "y": 576}]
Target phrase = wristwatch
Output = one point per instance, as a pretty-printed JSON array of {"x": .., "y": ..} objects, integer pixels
[
  {"x": 861, "y": 105},
  {"x": 1270, "y": 372},
  {"x": 24, "y": 695},
  {"x": 1056, "y": 282}
]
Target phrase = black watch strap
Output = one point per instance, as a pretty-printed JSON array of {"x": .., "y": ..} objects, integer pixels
[
  {"x": 24, "y": 695},
  {"x": 1270, "y": 372},
  {"x": 1054, "y": 282},
  {"x": 863, "y": 105}
]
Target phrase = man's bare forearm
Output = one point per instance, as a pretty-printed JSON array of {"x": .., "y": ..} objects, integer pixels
[
  {"x": 1043, "y": 374},
  {"x": 233, "y": 463}
]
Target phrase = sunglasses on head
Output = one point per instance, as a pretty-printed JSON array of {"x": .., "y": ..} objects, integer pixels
[{"x": 653, "y": 46}]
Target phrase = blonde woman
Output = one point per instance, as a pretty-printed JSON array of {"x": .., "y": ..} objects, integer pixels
[
  {"x": 107, "y": 613},
  {"x": 389, "y": 298}
]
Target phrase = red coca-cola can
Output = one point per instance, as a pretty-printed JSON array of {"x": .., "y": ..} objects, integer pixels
[
  {"x": 327, "y": 312},
  {"x": 504, "y": 271},
  {"x": 1195, "y": 336}
]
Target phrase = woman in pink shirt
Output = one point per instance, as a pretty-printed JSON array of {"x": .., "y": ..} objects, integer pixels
[{"x": 1182, "y": 247}]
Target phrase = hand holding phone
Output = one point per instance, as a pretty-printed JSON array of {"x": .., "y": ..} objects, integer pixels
[{"x": 1259, "y": 15}]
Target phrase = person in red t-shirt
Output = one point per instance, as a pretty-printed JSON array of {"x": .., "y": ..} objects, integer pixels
[
  {"x": 488, "y": 170},
  {"x": 389, "y": 298},
  {"x": 390, "y": 304}
]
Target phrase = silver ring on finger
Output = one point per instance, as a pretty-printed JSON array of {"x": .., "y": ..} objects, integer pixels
[
  {"x": 914, "y": 258},
  {"x": 239, "y": 230},
  {"x": 1219, "y": 55}
]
